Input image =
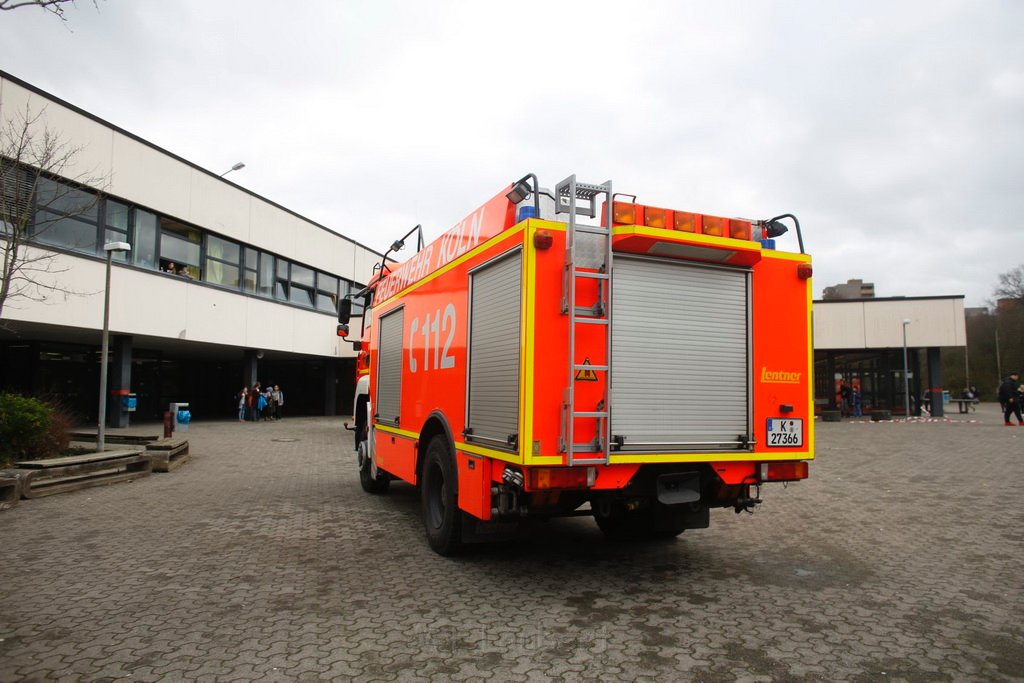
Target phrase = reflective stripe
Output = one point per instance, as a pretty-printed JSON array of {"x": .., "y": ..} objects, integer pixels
[{"x": 679, "y": 355}]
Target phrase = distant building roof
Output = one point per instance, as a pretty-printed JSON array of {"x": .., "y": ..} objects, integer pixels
[{"x": 853, "y": 289}]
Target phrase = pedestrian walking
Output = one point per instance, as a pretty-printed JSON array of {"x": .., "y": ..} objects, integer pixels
[{"x": 1010, "y": 398}]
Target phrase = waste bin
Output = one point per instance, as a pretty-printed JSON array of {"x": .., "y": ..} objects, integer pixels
[{"x": 181, "y": 416}]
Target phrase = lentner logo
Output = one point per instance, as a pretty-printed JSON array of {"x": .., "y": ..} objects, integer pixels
[{"x": 779, "y": 376}]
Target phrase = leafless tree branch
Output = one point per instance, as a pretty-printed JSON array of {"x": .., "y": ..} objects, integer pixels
[
  {"x": 55, "y": 7},
  {"x": 1011, "y": 284},
  {"x": 32, "y": 202}
]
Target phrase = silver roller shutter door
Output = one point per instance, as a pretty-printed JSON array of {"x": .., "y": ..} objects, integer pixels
[
  {"x": 680, "y": 349},
  {"x": 389, "y": 367},
  {"x": 495, "y": 313}
]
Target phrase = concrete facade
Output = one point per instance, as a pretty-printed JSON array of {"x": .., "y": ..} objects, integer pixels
[{"x": 177, "y": 319}]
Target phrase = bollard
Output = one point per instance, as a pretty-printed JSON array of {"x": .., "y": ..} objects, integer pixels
[{"x": 168, "y": 425}]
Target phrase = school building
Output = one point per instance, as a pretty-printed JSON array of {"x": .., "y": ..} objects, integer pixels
[{"x": 254, "y": 294}]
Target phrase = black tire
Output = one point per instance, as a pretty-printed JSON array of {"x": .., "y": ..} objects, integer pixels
[
  {"x": 439, "y": 495},
  {"x": 371, "y": 484}
]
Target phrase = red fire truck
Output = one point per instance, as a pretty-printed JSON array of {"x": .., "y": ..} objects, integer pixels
[{"x": 573, "y": 352}]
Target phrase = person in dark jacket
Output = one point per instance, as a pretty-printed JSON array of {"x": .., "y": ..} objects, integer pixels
[{"x": 1009, "y": 398}]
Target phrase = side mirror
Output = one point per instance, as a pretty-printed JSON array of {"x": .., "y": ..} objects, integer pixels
[{"x": 344, "y": 310}]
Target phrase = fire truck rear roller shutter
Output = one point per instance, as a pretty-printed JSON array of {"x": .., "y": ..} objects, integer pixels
[
  {"x": 494, "y": 329},
  {"x": 389, "y": 367},
  {"x": 680, "y": 343}
]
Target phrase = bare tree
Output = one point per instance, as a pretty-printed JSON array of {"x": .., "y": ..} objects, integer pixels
[
  {"x": 55, "y": 7},
  {"x": 36, "y": 207},
  {"x": 1011, "y": 284}
]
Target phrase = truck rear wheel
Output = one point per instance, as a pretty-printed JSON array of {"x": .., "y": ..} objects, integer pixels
[
  {"x": 440, "y": 498},
  {"x": 370, "y": 478}
]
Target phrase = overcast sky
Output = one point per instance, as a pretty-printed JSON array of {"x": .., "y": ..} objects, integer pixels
[{"x": 893, "y": 130}]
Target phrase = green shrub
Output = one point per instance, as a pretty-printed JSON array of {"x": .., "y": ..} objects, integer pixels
[{"x": 26, "y": 429}]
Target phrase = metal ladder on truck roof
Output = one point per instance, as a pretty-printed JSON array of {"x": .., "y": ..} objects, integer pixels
[{"x": 582, "y": 199}]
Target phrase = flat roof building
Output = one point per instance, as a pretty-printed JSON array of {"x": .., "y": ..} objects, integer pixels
[
  {"x": 253, "y": 295},
  {"x": 860, "y": 342}
]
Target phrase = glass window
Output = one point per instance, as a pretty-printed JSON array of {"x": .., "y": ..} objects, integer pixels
[
  {"x": 250, "y": 274},
  {"x": 60, "y": 231},
  {"x": 302, "y": 276},
  {"x": 301, "y": 285},
  {"x": 173, "y": 248},
  {"x": 180, "y": 248},
  {"x": 249, "y": 281},
  {"x": 144, "y": 246},
  {"x": 15, "y": 198},
  {"x": 327, "y": 293},
  {"x": 301, "y": 295},
  {"x": 358, "y": 305},
  {"x": 222, "y": 249},
  {"x": 116, "y": 216},
  {"x": 117, "y": 236},
  {"x": 222, "y": 257},
  {"x": 221, "y": 273},
  {"x": 266, "y": 281},
  {"x": 281, "y": 282},
  {"x": 65, "y": 217},
  {"x": 60, "y": 198}
]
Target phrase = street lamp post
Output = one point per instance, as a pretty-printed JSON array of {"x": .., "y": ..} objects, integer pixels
[
  {"x": 110, "y": 248},
  {"x": 237, "y": 167},
  {"x": 906, "y": 372}
]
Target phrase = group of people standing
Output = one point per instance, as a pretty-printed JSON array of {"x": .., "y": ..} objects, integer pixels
[
  {"x": 850, "y": 399},
  {"x": 258, "y": 403}
]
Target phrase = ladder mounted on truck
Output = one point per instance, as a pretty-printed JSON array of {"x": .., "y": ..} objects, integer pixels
[{"x": 592, "y": 244}]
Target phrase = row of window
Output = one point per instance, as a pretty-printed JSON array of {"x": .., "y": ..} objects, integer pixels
[{"x": 74, "y": 219}]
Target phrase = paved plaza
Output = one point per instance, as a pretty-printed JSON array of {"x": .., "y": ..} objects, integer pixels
[{"x": 900, "y": 559}]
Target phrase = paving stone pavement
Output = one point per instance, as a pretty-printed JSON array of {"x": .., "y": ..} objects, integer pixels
[{"x": 262, "y": 559}]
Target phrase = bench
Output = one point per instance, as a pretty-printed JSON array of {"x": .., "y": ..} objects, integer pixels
[
  {"x": 964, "y": 405},
  {"x": 119, "y": 439},
  {"x": 168, "y": 454},
  {"x": 10, "y": 489},
  {"x": 881, "y": 415},
  {"x": 831, "y": 416},
  {"x": 60, "y": 475}
]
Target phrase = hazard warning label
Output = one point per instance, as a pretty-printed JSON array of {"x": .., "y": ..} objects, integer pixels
[{"x": 586, "y": 374}]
